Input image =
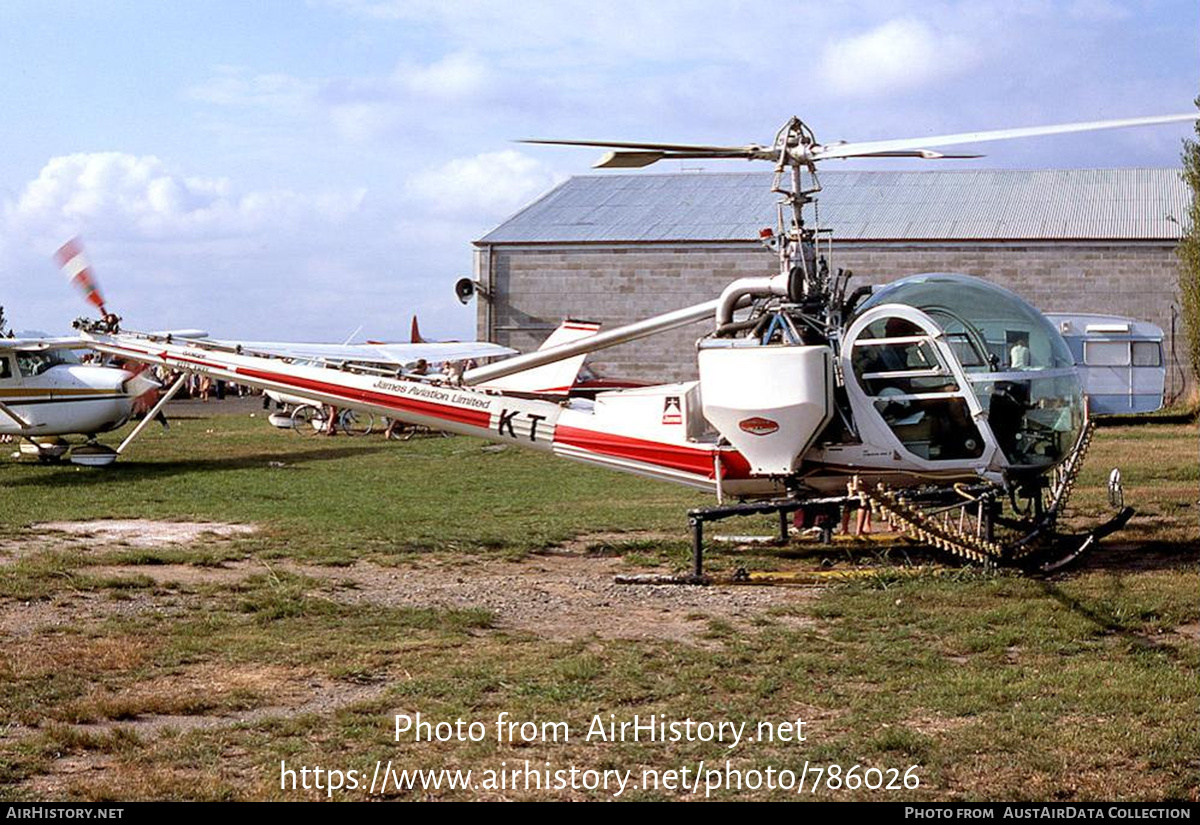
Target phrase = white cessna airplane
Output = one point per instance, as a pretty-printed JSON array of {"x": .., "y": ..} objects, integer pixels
[{"x": 46, "y": 393}]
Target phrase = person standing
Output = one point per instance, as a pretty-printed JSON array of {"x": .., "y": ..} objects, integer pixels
[{"x": 1018, "y": 356}]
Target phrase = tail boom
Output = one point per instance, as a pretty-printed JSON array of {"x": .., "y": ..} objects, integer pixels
[{"x": 526, "y": 422}]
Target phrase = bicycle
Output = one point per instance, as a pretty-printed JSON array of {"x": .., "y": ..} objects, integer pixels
[{"x": 311, "y": 419}]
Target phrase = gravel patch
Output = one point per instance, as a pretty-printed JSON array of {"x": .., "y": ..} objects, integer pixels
[
  {"x": 105, "y": 534},
  {"x": 564, "y": 597},
  {"x": 566, "y": 594}
]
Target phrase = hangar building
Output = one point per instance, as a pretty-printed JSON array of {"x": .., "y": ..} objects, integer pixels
[{"x": 617, "y": 248}]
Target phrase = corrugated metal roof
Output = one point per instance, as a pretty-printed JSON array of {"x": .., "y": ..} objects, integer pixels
[{"x": 1087, "y": 204}]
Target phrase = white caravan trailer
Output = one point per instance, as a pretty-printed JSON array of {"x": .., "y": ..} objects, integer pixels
[{"x": 1120, "y": 361}]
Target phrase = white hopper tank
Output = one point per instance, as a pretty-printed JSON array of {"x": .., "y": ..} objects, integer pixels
[{"x": 769, "y": 402}]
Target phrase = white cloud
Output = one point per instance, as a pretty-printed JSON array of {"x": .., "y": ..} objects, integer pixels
[
  {"x": 898, "y": 55},
  {"x": 490, "y": 185},
  {"x": 458, "y": 75},
  {"x": 180, "y": 250},
  {"x": 126, "y": 195},
  {"x": 366, "y": 121},
  {"x": 232, "y": 86},
  {"x": 359, "y": 108}
]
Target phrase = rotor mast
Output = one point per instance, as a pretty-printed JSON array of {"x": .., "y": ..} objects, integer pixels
[{"x": 796, "y": 243}]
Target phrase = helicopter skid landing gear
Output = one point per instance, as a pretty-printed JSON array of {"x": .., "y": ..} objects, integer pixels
[
  {"x": 783, "y": 507},
  {"x": 965, "y": 530},
  {"x": 1089, "y": 541},
  {"x": 968, "y": 528}
]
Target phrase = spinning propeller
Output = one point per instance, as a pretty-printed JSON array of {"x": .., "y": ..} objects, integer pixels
[{"x": 78, "y": 270}]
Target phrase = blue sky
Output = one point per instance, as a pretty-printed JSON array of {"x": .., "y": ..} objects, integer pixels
[{"x": 296, "y": 171}]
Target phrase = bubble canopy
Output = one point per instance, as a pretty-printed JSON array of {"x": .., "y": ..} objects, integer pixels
[{"x": 1017, "y": 364}]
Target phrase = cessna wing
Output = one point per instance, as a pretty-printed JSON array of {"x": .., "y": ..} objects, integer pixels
[{"x": 40, "y": 344}]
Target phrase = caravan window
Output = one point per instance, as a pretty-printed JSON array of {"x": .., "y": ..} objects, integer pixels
[
  {"x": 1118, "y": 353},
  {"x": 1106, "y": 353},
  {"x": 1147, "y": 354}
]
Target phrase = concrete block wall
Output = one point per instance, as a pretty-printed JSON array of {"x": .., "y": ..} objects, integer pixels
[{"x": 534, "y": 286}]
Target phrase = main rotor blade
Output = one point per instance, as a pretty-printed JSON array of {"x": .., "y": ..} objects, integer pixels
[
  {"x": 627, "y": 155},
  {"x": 627, "y": 160},
  {"x": 927, "y": 154},
  {"x": 636, "y": 160},
  {"x": 658, "y": 147},
  {"x": 867, "y": 148}
]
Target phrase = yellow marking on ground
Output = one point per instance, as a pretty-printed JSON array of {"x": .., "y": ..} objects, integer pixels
[{"x": 850, "y": 574}]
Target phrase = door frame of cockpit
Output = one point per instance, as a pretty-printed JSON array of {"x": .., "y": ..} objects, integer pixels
[{"x": 870, "y": 422}]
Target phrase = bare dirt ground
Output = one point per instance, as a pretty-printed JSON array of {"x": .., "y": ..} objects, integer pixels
[
  {"x": 560, "y": 596},
  {"x": 109, "y": 533}
]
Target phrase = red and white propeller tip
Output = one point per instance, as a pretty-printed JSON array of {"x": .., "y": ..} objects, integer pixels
[{"x": 78, "y": 270}]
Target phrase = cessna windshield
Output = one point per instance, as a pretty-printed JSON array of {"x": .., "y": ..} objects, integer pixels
[{"x": 33, "y": 363}]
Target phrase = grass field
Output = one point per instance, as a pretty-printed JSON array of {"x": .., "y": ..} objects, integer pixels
[{"x": 462, "y": 581}]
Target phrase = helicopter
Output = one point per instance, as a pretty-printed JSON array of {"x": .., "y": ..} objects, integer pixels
[{"x": 943, "y": 402}]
